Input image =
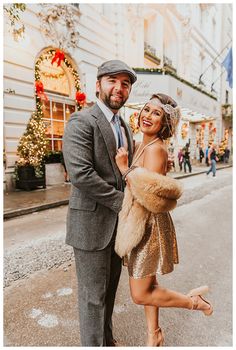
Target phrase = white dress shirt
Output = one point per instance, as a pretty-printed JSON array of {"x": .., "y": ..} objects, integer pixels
[{"x": 109, "y": 115}]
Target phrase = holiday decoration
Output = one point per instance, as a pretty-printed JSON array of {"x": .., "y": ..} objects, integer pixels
[
  {"x": 133, "y": 122},
  {"x": 184, "y": 130},
  {"x": 40, "y": 90},
  {"x": 58, "y": 57},
  {"x": 50, "y": 55},
  {"x": 200, "y": 135},
  {"x": 80, "y": 98},
  {"x": 13, "y": 13},
  {"x": 32, "y": 146}
]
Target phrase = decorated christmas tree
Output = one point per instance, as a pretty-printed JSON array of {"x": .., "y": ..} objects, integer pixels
[{"x": 32, "y": 147}]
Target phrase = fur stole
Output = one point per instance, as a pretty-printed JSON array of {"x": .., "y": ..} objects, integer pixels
[{"x": 148, "y": 192}]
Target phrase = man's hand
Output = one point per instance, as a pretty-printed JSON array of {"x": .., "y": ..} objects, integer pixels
[{"x": 121, "y": 159}]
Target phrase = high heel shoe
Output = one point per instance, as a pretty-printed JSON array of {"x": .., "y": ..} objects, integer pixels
[
  {"x": 160, "y": 336},
  {"x": 196, "y": 293}
]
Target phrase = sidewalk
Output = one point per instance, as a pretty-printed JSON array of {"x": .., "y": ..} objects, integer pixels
[{"x": 24, "y": 202}]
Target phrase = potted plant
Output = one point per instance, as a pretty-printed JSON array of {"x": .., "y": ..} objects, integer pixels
[
  {"x": 32, "y": 150},
  {"x": 54, "y": 168}
]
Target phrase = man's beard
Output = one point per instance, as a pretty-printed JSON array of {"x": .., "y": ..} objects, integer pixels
[{"x": 113, "y": 104}]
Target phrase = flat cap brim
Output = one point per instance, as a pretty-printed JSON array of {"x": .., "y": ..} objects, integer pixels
[{"x": 116, "y": 67}]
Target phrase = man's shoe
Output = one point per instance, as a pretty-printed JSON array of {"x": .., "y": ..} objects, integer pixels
[{"x": 113, "y": 342}]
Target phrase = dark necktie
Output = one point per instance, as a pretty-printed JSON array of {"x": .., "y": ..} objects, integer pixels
[{"x": 116, "y": 123}]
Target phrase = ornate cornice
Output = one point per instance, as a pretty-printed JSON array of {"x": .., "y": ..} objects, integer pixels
[{"x": 59, "y": 25}]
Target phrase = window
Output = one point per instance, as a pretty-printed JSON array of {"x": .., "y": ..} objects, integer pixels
[
  {"x": 56, "y": 113},
  {"x": 60, "y": 87},
  {"x": 226, "y": 97}
]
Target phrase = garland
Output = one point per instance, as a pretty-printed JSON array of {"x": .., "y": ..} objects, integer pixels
[
  {"x": 57, "y": 56},
  {"x": 133, "y": 122},
  {"x": 168, "y": 71}
]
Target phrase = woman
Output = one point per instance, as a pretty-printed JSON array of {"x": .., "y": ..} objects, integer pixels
[{"x": 146, "y": 234}]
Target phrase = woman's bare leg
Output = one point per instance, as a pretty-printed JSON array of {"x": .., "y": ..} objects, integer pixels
[
  {"x": 152, "y": 319},
  {"x": 143, "y": 292}
]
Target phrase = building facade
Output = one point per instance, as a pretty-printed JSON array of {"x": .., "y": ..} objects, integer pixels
[{"x": 176, "y": 49}]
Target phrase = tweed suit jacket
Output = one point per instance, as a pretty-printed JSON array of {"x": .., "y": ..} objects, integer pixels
[{"x": 89, "y": 149}]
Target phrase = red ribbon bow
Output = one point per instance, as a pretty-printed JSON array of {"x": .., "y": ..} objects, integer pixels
[
  {"x": 80, "y": 98},
  {"x": 40, "y": 90},
  {"x": 59, "y": 56}
]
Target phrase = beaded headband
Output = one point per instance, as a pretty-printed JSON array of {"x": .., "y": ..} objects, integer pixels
[{"x": 173, "y": 112}]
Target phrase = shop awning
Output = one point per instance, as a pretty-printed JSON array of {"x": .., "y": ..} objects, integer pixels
[
  {"x": 195, "y": 117},
  {"x": 138, "y": 105}
]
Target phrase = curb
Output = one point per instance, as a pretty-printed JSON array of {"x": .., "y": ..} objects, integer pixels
[
  {"x": 19, "y": 212},
  {"x": 25, "y": 211},
  {"x": 200, "y": 172}
]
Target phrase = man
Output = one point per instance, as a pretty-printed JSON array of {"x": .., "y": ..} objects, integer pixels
[
  {"x": 187, "y": 158},
  {"x": 91, "y": 140},
  {"x": 207, "y": 160},
  {"x": 212, "y": 159},
  {"x": 226, "y": 155}
]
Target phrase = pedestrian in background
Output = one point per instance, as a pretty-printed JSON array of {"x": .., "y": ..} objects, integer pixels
[
  {"x": 171, "y": 155},
  {"x": 206, "y": 155},
  {"x": 212, "y": 159},
  {"x": 146, "y": 234},
  {"x": 180, "y": 159},
  {"x": 92, "y": 137},
  {"x": 186, "y": 153},
  {"x": 226, "y": 155},
  {"x": 201, "y": 154}
]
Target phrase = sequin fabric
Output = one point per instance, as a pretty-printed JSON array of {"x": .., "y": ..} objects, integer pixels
[{"x": 157, "y": 252}]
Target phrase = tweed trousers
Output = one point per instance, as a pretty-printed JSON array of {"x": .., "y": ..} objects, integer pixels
[{"x": 98, "y": 274}]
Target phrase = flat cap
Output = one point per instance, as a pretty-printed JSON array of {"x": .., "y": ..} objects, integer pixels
[{"x": 115, "y": 67}]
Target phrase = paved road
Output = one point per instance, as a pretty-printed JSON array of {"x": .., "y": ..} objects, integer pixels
[{"x": 40, "y": 294}]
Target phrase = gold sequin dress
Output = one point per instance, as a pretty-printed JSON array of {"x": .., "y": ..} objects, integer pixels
[{"x": 157, "y": 252}]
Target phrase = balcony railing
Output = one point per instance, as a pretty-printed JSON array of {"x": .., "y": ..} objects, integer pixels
[
  {"x": 227, "y": 111},
  {"x": 168, "y": 65},
  {"x": 150, "y": 53}
]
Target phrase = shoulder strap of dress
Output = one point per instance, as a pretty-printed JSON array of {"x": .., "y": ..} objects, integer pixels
[{"x": 141, "y": 152}]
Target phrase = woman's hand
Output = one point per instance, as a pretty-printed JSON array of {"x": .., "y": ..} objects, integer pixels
[{"x": 122, "y": 159}]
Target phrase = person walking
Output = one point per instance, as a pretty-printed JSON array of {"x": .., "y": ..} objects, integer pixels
[
  {"x": 180, "y": 159},
  {"x": 201, "y": 154},
  {"x": 187, "y": 158},
  {"x": 91, "y": 139},
  {"x": 226, "y": 155},
  {"x": 206, "y": 156},
  {"x": 146, "y": 234},
  {"x": 212, "y": 159}
]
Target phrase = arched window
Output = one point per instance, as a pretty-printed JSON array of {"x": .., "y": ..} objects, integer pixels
[{"x": 60, "y": 83}]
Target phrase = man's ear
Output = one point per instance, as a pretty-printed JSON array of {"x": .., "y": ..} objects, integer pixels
[{"x": 97, "y": 86}]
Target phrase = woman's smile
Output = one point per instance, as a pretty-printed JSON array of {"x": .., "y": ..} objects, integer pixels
[{"x": 146, "y": 123}]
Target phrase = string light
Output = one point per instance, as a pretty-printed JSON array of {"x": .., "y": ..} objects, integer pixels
[
  {"x": 32, "y": 146},
  {"x": 67, "y": 110},
  {"x": 54, "y": 107}
]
